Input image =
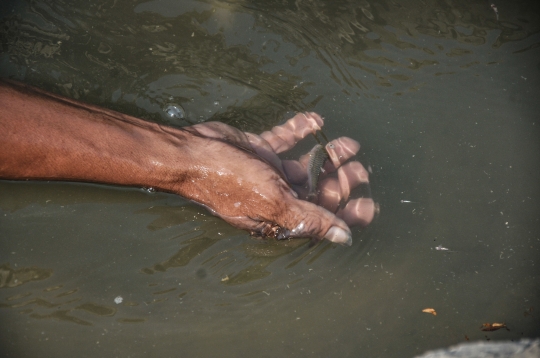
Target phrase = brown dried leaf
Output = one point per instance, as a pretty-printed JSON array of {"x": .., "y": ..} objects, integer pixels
[
  {"x": 430, "y": 310},
  {"x": 489, "y": 327}
]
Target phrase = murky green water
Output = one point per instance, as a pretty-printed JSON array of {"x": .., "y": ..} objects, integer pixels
[{"x": 444, "y": 100}]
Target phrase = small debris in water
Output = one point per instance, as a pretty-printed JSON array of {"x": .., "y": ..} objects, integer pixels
[
  {"x": 494, "y": 7},
  {"x": 430, "y": 310},
  {"x": 226, "y": 278},
  {"x": 441, "y": 248},
  {"x": 529, "y": 312},
  {"x": 490, "y": 327},
  {"x": 118, "y": 300}
]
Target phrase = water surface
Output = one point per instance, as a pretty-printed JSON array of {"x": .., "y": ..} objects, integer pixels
[{"x": 441, "y": 95}]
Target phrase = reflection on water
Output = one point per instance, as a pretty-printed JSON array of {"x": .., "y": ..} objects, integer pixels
[
  {"x": 26, "y": 304},
  {"x": 208, "y": 50},
  {"x": 442, "y": 97},
  {"x": 10, "y": 277}
]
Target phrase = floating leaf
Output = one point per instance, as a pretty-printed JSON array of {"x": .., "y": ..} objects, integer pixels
[{"x": 489, "y": 327}]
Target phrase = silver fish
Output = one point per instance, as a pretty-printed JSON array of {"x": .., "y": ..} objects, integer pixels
[{"x": 317, "y": 157}]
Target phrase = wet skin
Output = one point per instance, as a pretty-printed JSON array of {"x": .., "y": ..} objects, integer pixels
[{"x": 238, "y": 176}]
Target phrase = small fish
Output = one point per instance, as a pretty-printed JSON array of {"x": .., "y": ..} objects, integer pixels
[
  {"x": 442, "y": 248},
  {"x": 317, "y": 157}
]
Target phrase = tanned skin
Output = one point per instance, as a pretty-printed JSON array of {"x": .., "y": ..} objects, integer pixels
[{"x": 44, "y": 136}]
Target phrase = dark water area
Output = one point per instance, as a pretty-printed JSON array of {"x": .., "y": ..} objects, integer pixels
[{"x": 443, "y": 97}]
